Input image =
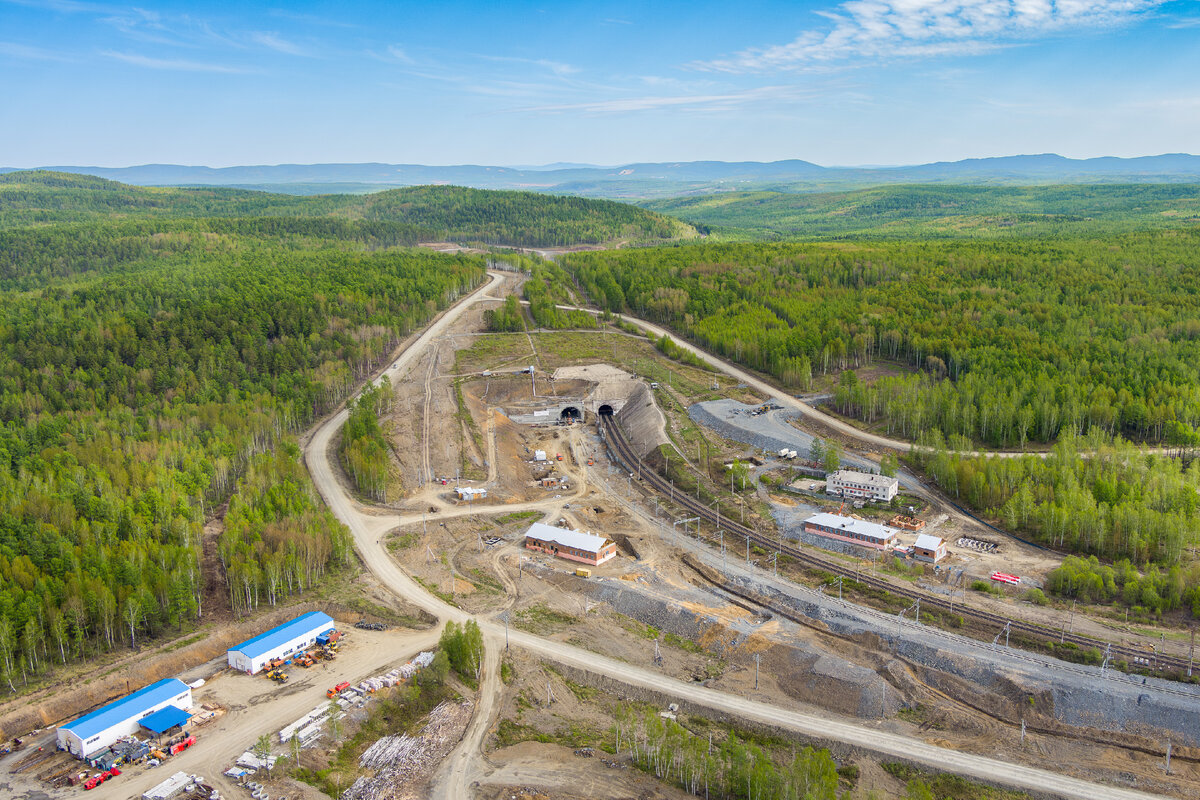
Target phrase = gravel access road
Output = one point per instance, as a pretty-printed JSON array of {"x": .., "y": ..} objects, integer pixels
[{"x": 367, "y": 531}]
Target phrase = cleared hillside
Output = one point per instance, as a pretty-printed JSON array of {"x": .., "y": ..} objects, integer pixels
[{"x": 423, "y": 212}]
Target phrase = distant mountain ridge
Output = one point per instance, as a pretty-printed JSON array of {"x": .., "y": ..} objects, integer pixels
[{"x": 664, "y": 179}]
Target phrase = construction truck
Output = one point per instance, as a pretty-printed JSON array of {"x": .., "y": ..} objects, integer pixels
[{"x": 278, "y": 676}]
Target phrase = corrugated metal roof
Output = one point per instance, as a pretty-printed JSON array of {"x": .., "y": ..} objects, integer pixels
[
  {"x": 265, "y": 642},
  {"x": 129, "y": 706},
  {"x": 871, "y": 530},
  {"x": 164, "y": 719},
  {"x": 566, "y": 538},
  {"x": 927, "y": 542}
]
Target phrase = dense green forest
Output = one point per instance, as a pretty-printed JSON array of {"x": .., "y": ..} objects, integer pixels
[
  {"x": 549, "y": 286},
  {"x": 150, "y": 371},
  {"x": 408, "y": 215},
  {"x": 364, "y": 448},
  {"x": 940, "y": 211},
  {"x": 1005, "y": 341},
  {"x": 1092, "y": 494}
]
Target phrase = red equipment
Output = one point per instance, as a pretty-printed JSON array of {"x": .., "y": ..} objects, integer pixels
[{"x": 1004, "y": 577}]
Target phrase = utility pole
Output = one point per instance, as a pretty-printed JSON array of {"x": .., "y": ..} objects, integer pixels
[
  {"x": 757, "y": 658},
  {"x": 1191, "y": 652},
  {"x": 747, "y": 548}
]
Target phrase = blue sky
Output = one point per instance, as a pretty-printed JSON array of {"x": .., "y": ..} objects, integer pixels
[{"x": 852, "y": 82}]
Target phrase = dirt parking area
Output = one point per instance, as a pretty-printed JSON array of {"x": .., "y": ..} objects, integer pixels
[{"x": 253, "y": 706}]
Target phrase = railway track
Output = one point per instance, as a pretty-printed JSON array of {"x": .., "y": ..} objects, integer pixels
[{"x": 1135, "y": 657}]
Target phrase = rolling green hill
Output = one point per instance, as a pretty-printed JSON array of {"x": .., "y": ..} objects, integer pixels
[
  {"x": 941, "y": 211},
  {"x": 417, "y": 213}
]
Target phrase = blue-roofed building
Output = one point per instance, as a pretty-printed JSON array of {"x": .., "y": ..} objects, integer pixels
[
  {"x": 286, "y": 640},
  {"x": 94, "y": 732}
]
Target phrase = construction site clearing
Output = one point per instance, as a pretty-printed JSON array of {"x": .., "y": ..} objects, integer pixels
[
  {"x": 671, "y": 598},
  {"x": 230, "y": 706},
  {"x": 477, "y": 561}
]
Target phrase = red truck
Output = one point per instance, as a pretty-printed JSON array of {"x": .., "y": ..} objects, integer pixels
[
  {"x": 335, "y": 691},
  {"x": 96, "y": 780}
]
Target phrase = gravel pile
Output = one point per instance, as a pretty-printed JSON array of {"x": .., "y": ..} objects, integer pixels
[{"x": 770, "y": 431}]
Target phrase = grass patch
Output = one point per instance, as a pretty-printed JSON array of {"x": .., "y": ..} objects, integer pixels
[
  {"x": 542, "y": 620},
  {"x": 445, "y": 597},
  {"x": 683, "y": 644},
  {"x": 949, "y": 787},
  {"x": 584, "y": 693},
  {"x": 573, "y": 734},
  {"x": 517, "y": 516},
  {"x": 184, "y": 642},
  {"x": 486, "y": 580},
  {"x": 404, "y": 541},
  {"x": 469, "y": 470}
]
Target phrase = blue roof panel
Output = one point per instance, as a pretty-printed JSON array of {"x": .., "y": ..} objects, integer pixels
[
  {"x": 266, "y": 642},
  {"x": 164, "y": 719},
  {"x": 132, "y": 705}
]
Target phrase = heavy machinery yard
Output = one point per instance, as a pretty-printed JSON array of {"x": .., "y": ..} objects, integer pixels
[{"x": 728, "y": 618}]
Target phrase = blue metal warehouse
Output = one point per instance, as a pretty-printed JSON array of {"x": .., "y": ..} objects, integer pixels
[
  {"x": 95, "y": 731},
  {"x": 288, "y": 639}
]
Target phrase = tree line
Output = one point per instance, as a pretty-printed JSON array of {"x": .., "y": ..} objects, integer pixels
[
  {"x": 425, "y": 213},
  {"x": 1093, "y": 495},
  {"x": 1002, "y": 342},
  {"x": 366, "y": 455},
  {"x": 159, "y": 377}
]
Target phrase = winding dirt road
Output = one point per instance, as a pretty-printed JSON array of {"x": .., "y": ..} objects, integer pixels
[{"x": 369, "y": 525}]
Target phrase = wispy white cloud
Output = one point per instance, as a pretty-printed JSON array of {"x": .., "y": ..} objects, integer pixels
[
  {"x": 17, "y": 50},
  {"x": 400, "y": 55},
  {"x": 180, "y": 65},
  {"x": 614, "y": 21},
  {"x": 273, "y": 41},
  {"x": 1185, "y": 22},
  {"x": 312, "y": 19},
  {"x": 887, "y": 29},
  {"x": 699, "y": 102},
  {"x": 556, "y": 67}
]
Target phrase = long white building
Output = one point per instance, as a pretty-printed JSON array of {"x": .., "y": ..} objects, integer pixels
[
  {"x": 862, "y": 485},
  {"x": 94, "y": 732},
  {"x": 286, "y": 640}
]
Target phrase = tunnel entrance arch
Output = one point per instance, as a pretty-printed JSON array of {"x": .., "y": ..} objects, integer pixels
[
  {"x": 571, "y": 414},
  {"x": 605, "y": 410}
]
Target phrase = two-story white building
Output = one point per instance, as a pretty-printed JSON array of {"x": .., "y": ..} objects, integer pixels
[{"x": 862, "y": 486}]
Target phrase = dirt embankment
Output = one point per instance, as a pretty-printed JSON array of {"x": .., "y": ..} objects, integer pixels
[{"x": 57, "y": 704}]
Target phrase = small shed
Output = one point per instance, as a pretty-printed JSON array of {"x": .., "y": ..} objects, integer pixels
[{"x": 929, "y": 548}]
